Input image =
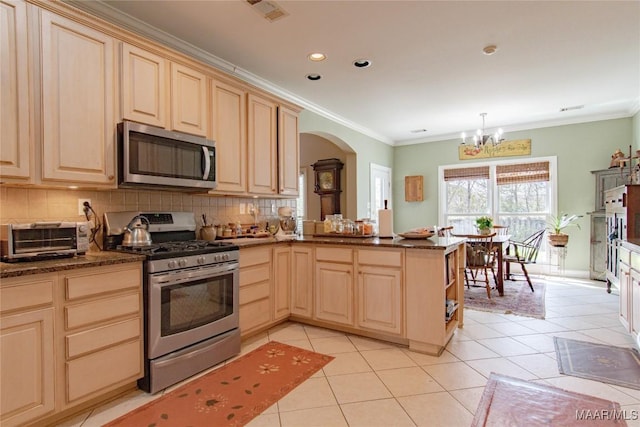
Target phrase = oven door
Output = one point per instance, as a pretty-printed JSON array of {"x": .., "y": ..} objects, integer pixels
[{"x": 191, "y": 305}]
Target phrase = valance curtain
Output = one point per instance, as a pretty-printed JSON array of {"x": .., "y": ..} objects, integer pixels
[{"x": 522, "y": 172}]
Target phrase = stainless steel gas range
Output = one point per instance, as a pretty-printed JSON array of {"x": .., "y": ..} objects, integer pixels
[{"x": 191, "y": 292}]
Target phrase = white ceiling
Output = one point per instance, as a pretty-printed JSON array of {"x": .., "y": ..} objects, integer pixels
[{"x": 428, "y": 69}]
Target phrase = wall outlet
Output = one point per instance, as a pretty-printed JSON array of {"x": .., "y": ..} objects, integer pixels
[
  {"x": 81, "y": 205},
  {"x": 243, "y": 208}
]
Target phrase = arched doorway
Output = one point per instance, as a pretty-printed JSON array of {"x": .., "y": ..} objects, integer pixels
[{"x": 317, "y": 146}]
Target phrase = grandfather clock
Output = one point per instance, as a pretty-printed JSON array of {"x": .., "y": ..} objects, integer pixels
[{"x": 327, "y": 185}]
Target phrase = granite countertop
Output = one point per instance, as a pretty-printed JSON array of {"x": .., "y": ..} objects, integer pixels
[
  {"x": 437, "y": 243},
  {"x": 95, "y": 259},
  {"x": 91, "y": 259}
]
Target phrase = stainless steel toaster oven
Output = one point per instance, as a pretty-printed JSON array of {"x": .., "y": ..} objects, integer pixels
[{"x": 40, "y": 240}]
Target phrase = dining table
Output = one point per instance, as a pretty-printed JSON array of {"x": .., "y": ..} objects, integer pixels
[{"x": 501, "y": 242}]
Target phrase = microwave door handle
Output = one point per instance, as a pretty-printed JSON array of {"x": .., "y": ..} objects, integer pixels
[
  {"x": 44, "y": 224},
  {"x": 207, "y": 163}
]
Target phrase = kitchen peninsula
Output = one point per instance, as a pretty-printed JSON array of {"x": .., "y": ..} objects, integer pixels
[{"x": 404, "y": 291}]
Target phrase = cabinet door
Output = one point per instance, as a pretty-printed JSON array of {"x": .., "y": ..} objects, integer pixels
[
  {"x": 27, "y": 374},
  {"x": 334, "y": 292},
  {"x": 77, "y": 102},
  {"x": 288, "y": 151},
  {"x": 281, "y": 282},
  {"x": 598, "y": 248},
  {"x": 188, "y": 100},
  {"x": 380, "y": 299},
  {"x": 15, "y": 143},
  {"x": 634, "y": 304},
  {"x": 143, "y": 86},
  {"x": 302, "y": 280},
  {"x": 625, "y": 293},
  {"x": 262, "y": 145},
  {"x": 229, "y": 121}
]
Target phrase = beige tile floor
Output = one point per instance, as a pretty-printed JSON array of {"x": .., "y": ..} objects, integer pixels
[{"x": 373, "y": 383}]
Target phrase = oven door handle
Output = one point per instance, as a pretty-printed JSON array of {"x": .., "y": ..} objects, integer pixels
[{"x": 187, "y": 276}]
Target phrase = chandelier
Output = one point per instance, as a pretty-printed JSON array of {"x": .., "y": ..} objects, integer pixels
[{"x": 480, "y": 139}]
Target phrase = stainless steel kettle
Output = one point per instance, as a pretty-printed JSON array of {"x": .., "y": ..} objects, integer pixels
[{"x": 137, "y": 233}]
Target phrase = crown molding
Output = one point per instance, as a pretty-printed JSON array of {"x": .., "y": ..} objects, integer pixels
[
  {"x": 527, "y": 126},
  {"x": 110, "y": 14}
]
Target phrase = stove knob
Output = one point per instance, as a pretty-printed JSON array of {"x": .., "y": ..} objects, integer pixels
[
  {"x": 173, "y": 264},
  {"x": 182, "y": 263},
  {"x": 226, "y": 257},
  {"x": 201, "y": 260},
  {"x": 216, "y": 257}
]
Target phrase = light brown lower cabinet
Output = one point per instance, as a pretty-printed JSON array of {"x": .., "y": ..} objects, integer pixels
[
  {"x": 68, "y": 338},
  {"x": 255, "y": 289},
  {"x": 334, "y": 285},
  {"x": 380, "y": 290},
  {"x": 281, "y": 282},
  {"x": 302, "y": 280}
]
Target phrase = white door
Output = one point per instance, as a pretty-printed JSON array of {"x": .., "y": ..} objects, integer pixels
[{"x": 380, "y": 189}]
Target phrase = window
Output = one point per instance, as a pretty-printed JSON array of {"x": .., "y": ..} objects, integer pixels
[{"x": 516, "y": 194}]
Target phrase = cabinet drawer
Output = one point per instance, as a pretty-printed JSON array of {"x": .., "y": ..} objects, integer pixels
[
  {"x": 105, "y": 336},
  {"x": 23, "y": 293},
  {"x": 635, "y": 260},
  {"x": 101, "y": 280},
  {"x": 255, "y": 256},
  {"x": 254, "y": 292},
  {"x": 380, "y": 257},
  {"x": 101, "y": 370},
  {"x": 254, "y": 314},
  {"x": 255, "y": 274},
  {"x": 624, "y": 255},
  {"x": 102, "y": 310},
  {"x": 334, "y": 254}
]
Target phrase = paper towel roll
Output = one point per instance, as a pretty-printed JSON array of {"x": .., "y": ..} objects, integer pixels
[{"x": 385, "y": 223}]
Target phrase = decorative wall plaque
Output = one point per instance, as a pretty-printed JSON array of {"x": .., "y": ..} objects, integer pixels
[
  {"x": 413, "y": 188},
  {"x": 517, "y": 147}
]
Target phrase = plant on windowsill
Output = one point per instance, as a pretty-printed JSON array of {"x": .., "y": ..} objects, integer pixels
[
  {"x": 556, "y": 224},
  {"x": 484, "y": 224}
]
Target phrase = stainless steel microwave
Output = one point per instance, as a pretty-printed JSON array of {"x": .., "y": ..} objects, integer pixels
[
  {"x": 151, "y": 156},
  {"x": 41, "y": 240}
]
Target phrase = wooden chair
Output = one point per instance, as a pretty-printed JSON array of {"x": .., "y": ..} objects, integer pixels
[
  {"x": 445, "y": 231},
  {"x": 523, "y": 253},
  {"x": 479, "y": 259},
  {"x": 501, "y": 230}
]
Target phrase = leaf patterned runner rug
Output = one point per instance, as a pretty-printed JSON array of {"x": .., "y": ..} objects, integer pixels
[{"x": 233, "y": 394}]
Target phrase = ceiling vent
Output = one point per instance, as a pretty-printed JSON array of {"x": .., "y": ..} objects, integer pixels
[
  {"x": 270, "y": 10},
  {"x": 575, "y": 107}
]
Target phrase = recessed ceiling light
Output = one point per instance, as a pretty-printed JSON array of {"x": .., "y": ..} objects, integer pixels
[
  {"x": 317, "y": 56},
  {"x": 490, "y": 50},
  {"x": 313, "y": 77},
  {"x": 575, "y": 107},
  {"x": 362, "y": 63}
]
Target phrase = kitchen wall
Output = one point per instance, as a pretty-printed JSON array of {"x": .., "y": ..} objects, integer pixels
[
  {"x": 636, "y": 131},
  {"x": 312, "y": 149},
  {"x": 18, "y": 204},
  {"x": 366, "y": 150},
  {"x": 579, "y": 148}
]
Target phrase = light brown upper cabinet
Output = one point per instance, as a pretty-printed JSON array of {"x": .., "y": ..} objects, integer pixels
[
  {"x": 288, "y": 151},
  {"x": 188, "y": 100},
  {"x": 229, "y": 129},
  {"x": 273, "y": 147},
  {"x": 263, "y": 145},
  {"x": 78, "y": 92},
  {"x": 15, "y": 146},
  {"x": 144, "y": 86}
]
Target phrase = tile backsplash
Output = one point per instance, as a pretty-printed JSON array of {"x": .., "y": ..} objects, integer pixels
[{"x": 19, "y": 204}]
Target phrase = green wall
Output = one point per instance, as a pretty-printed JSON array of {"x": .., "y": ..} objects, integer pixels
[{"x": 579, "y": 148}]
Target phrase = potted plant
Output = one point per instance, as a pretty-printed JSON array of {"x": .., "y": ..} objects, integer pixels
[
  {"x": 556, "y": 224},
  {"x": 484, "y": 224}
]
